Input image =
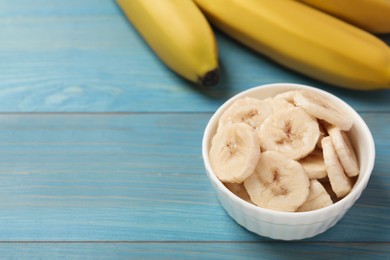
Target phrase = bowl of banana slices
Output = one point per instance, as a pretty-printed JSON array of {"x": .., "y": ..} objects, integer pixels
[{"x": 287, "y": 161}]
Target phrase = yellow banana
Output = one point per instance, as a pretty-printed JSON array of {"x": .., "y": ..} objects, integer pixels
[
  {"x": 179, "y": 34},
  {"x": 305, "y": 40},
  {"x": 370, "y": 15}
]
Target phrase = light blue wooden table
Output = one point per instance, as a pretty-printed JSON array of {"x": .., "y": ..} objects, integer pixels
[{"x": 101, "y": 146}]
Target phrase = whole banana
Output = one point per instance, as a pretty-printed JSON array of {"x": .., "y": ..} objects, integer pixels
[
  {"x": 179, "y": 34},
  {"x": 305, "y": 40},
  {"x": 370, "y": 15}
]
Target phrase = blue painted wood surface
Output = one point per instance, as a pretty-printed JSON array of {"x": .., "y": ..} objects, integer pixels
[{"x": 101, "y": 146}]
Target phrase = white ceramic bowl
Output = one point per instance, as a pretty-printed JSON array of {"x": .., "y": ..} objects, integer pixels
[{"x": 291, "y": 225}]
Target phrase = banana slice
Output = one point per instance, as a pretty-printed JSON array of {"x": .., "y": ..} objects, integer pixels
[
  {"x": 278, "y": 183},
  {"x": 288, "y": 96},
  {"x": 323, "y": 133},
  {"x": 323, "y": 108},
  {"x": 291, "y": 132},
  {"x": 247, "y": 110},
  {"x": 340, "y": 183},
  {"x": 344, "y": 151},
  {"x": 239, "y": 190},
  {"x": 277, "y": 104},
  {"x": 234, "y": 152},
  {"x": 326, "y": 184},
  {"x": 314, "y": 165},
  {"x": 318, "y": 197}
]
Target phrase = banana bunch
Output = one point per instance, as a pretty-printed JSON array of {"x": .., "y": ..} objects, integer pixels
[
  {"x": 179, "y": 34},
  {"x": 302, "y": 35},
  {"x": 370, "y": 15},
  {"x": 293, "y": 156}
]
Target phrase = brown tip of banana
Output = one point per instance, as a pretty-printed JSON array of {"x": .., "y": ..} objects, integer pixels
[{"x": 211, "y": 78}]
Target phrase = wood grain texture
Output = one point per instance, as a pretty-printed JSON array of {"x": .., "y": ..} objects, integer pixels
[
  {"x": 197, "y": 250},
  {"x": 108, "y": 165},
  {"x": 85, "y": 56},
  {"x": 139, "y": 177}
]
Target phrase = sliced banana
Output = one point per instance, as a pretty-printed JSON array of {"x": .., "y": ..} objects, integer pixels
[
  {"x": 247, "y": 110},
  {"x": 291, "y": 132},
  {"x": 314, "y": 165},
  {"x": 234, "y": 152},
  {"x": 341, "y": 184},
  {"x": 318, "y": 197},
  {"x": 323, "y": 108},
  {"x": 239, "y": 190},
  {"x": 278, "y": 104},
  {"x": 323, "y": 133},
  {"x": 344, "y": 151},
  {"x": 287, "y": 95},
  {"x": 326, "y": 184},
  {"x": 278, "y": 183}
]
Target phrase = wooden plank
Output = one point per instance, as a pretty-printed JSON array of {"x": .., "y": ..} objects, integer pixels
[
  {"x": 206, "y": 250},
  {"x": 139, "y": 177},
  {"x": 85, "y": 56}
]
